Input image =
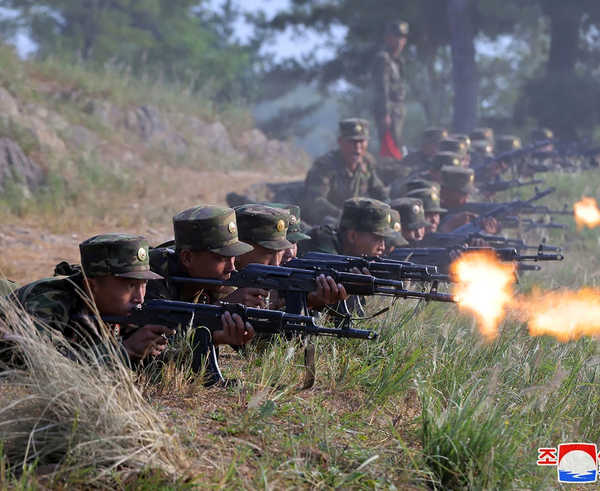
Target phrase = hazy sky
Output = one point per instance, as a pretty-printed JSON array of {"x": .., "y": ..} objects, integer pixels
[{"x": 286, "y": 44}]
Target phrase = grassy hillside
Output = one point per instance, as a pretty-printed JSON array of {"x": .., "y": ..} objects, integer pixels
[{"x": 429, "y": 405}]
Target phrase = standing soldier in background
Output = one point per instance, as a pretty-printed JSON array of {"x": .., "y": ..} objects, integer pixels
[
  {"x": 389, "y": 83},
  {"x": 348, "y": 172}
]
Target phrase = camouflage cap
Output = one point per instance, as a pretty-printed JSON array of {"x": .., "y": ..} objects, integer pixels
[
  {"x": 430, "y": 199},
  {"x": 294, "y": 233},
  {"x": 265, "y": 225},
  {"x": 208, "y": 228},
  {"x": 412, "y": 213},
  {"x": 434, "y": 135},
  {"x": 455, "y": 146},
  {"x": 413, "y": 184},
  {"x": 507, "y": 143},
  {"x": 461, "y": 138},
  {"x": 354, "y": 129},
  {"x": 483, "y": 148},
  {"x": 482, "y": 134},
  {"x": 396, "y": 28},
  {"x": 459, "y": 178},
  {"x": 366, "y": 215},
  {"x": 442, "y": 159},
  {"x": 122, "y": 255},
  {"x": 542, "y": 134},
  {"x": 396, "y": 226}
]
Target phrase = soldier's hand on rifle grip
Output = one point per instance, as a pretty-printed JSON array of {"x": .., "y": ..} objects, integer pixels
[
  {"x": 491, "y": 226},
  {"x": 235, "y": 332},
  {"x": 328, "y": 292},
  {"x": 148, "y": 340},
  {"x": 456, "y": 221},
  {"x": 250, "y": 297}
]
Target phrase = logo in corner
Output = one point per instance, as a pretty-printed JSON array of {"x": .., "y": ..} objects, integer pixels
[{"x": 575, "y": 462}]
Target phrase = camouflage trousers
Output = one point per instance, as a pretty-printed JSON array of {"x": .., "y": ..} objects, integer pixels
[{"x": 398, "y": 115}]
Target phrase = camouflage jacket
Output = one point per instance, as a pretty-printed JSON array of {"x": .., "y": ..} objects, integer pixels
[
  {"x": 60, "y": 305},
  {"x": 329, "y": 183},
  {"x": 389, "y": 83},
  {"x": 163, "y": 261}
]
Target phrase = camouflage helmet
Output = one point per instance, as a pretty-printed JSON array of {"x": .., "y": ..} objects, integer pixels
[
  {"x": 122, "y": 255},
  {"x": 482, "y": 134},
  {"x": 430, "y": 199},
  {"x": 442, "y": 159},
  {"x": 455, "y": 146},
  {"x": 542, "y": 134},
  {"x": 208, "y": 228},
  {"x": 507, "y": 143},
  {"x": 412, "y": 213},
  {"x": 264, "y": 225},
  {"x": 420, "y": 183},
  {"x": 354, "y": 129},
  {"x": 366, "y": 215},
  {"x": 434, "y": 135},
  {"x": 294, "y": 233},
  {"x": 396, "y": 227},
  {"x": 462, "y": 138},
  {"x": 396, "y": 28},
  {"x": 483, "y": 148},
  {"x": 459, "y": 178}
]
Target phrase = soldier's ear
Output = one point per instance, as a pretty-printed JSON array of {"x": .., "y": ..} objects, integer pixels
[
  {"x": 185, "y": 256},
  {"x": 351, "y": 236}
]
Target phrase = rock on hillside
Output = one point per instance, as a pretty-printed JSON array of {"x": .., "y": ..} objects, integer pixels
[{"x": 17, "y": 168}]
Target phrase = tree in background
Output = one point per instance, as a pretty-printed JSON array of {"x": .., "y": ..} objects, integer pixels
[{"x": 178, "y": 39}]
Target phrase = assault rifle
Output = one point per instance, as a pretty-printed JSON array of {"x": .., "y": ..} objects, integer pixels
[
  {"x": 296, "y": 283},
  {"x": 513, "y": 154},
  {"x": 184, "y": 315},
  {"x": 497, "y": 186},
  {"x": 495, "y": 241},
  {"x": 501, "y": 210},
  {"x": 481, "y": 208},
  {"x": 440, "y": 256},
  {"x": 529, "y": 223},
  {"x": 379, "y": 267}
]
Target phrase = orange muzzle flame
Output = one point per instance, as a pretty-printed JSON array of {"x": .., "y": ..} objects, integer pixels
[
  {"x": 586, "y": 213},
  {"x": 484, "y": 287},
  {"x": 567, "y": 315}
]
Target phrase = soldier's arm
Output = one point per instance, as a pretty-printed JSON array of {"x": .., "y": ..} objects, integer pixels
[
  {"x": 381, "y": 82},
  {"x": 376, "y": 188}
]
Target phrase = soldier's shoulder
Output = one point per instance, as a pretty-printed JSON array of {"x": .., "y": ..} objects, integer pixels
[
  {"x": 325, "y": 162},
  {"x": 324, "y": 238},
  {"x": 48, "y": 291},
  {"x": 7, "y": 286},
  {"x": 383, "y": 55}
]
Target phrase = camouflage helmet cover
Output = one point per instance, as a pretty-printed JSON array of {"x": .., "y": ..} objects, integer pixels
[
  {"x": 507, "y": 143},
  {"x": 452, "y": 145},
  {"x": 412, "y": 213},
  {"x": 459, "y": 178},
  {"x": 265, "y": 225},
  {"x": 396, "y": 28},
  {"x": 366, "y": 215},
  {"x": 354, "y": 129},
  {"x": 208, "y": 228},
  {"x": 430, "y": 199},
  {"x": 442, "y": 159},
  {"x": 122, "y": 255},
  {"x": 396, "y": 226},
  {"x": 294, "y": 233}
]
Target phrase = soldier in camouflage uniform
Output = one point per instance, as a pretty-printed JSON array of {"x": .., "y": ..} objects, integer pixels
[
  {"x": 389, "y": 83},
  {"x": 434, "y": 173},
  {"x": 431, "y": 205},
  {"x": 115, "y": 270},
  {"x": 417, "y": 161},
  {"x": 348, "y": 172},
  {"x": 412, "y": 217},
  {"x": 457, "y": 147},
  {"x": 294, "y": 233}
]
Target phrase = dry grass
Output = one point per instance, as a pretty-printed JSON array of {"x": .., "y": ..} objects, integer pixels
[{"x": 79, "y": 417}]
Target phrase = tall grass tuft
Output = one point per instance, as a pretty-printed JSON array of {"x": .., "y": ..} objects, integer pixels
[{"x": 76, "y": 418}]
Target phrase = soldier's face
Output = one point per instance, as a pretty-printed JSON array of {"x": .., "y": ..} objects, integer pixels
[
  {"x": 413, "y": 235},
  {"x": 289, "y": 254},
  {"x": 452, "y": 197},
  {"x": 364, "y": 243},
  {"x": 260, "y": 255},
  {"x": 434, "y": 219},
  {"x": 395, "y": 43},
  {"x": 352, "y": 150},
  {"x": 207, "y": 264},
  {"x": 115, "y": 296}
]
